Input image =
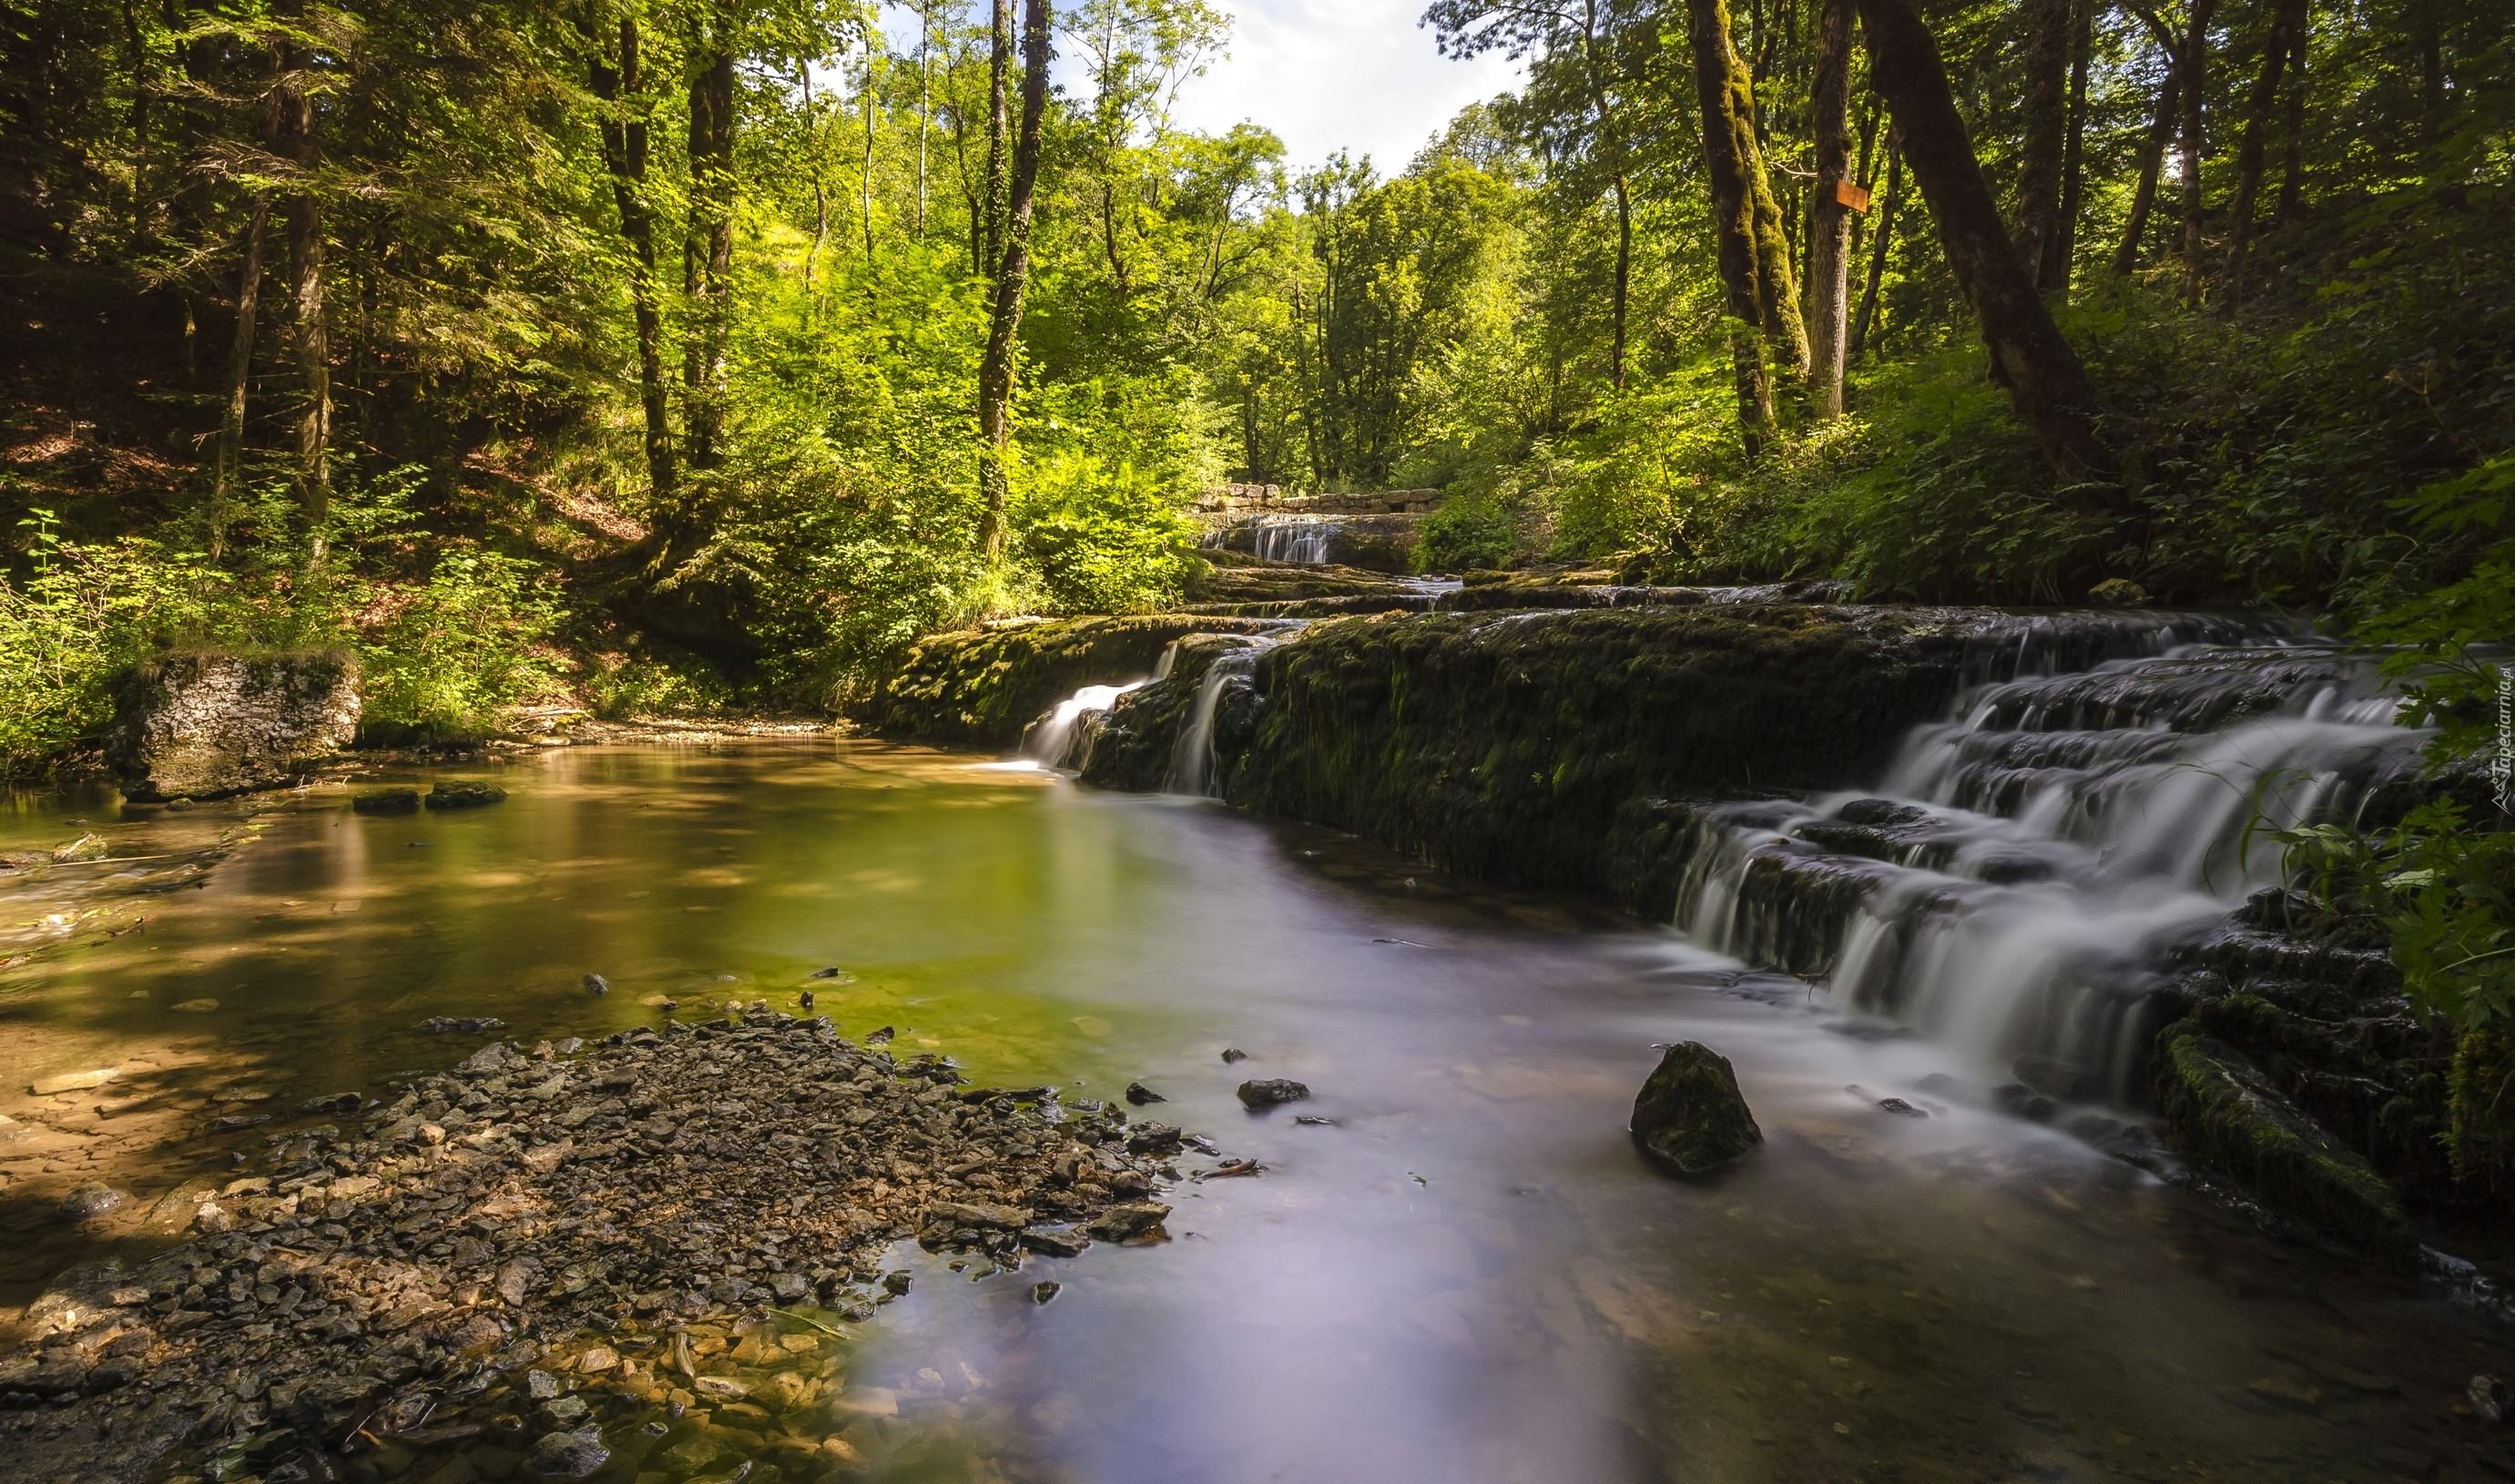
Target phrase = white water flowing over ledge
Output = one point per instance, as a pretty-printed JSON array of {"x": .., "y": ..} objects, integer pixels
[{"x": 2011, "y": 888}]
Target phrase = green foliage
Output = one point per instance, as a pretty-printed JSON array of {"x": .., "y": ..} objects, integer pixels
[
  {"x": 449, "y": 653},
  {"x": 1467, "y": 531}
]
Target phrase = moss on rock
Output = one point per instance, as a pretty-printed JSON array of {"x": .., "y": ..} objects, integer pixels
[
  {"x": 1690, "y": 1117},
  {"x": 2234, "y": 1120},
  {"x": 979, "y": 687},
  {"x": 1521, "y": 749}
]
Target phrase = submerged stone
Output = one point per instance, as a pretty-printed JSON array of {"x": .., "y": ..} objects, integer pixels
[
  {"x": 1690, "y": 1117},
  {"x": 1264, "y": 1093}
]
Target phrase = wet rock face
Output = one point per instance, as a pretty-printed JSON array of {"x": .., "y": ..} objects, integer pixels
[
  {"x": 1690, "y": 1117},
  {"x": 1525, "y": 749},
  {"x": 203, "y": 725},
  {"x": 2234, "y": 1119}
]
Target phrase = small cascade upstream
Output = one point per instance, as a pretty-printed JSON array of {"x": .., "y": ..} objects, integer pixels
[
  {"x": 2011, "y": 889},
  {"x": 1302, "y": 540}
]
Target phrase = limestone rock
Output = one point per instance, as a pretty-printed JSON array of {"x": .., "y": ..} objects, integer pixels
[
  {"x": 1691, "y": 1118},
  {"x": 206, "y": 724}
]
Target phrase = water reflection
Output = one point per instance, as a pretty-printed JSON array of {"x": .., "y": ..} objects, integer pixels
[{"x": 1469, "y": 1276}]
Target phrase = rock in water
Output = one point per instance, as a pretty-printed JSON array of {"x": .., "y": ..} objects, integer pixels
[
  {"x": 596, "y": 984},
  {"x": 464, "y": 796},
  {"x": 206, "y": 724},
  {"x": 1141, "y": 1094},
  {"x": 567, "y": 1455},
  {"x": 1690, "y": 1117},
  {"x": 1267, "y": 1091},
  {"x": 386, "y": 800},
  {"x": 2490, "y": 1401},
  {"x": 91, "y": 1200}
]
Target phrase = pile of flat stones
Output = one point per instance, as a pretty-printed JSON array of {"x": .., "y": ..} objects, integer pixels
[{"x": 628, "y": 1222}]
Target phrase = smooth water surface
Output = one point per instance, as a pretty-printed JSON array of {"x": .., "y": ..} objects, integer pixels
[{"x": 1470, "y": 1276}]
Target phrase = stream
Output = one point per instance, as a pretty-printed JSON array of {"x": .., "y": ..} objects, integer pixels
[{"x": 1468, "y": 1275}]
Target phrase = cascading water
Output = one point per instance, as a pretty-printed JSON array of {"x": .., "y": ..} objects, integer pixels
[
  {"x": 1062, "y": 738},
  {"x": 2009, "y": 890},
  {"x": 1192, "y": 755},
  {"x": 1302, "y": 540}
]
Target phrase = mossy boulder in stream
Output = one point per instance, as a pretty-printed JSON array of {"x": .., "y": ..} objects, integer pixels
[
  {"x": 1690, "y": 1117},
  {"x": 2234, "y": 1120}
]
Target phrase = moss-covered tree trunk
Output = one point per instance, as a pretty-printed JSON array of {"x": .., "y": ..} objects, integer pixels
[
  {"x": 1012, "y": 281},
  {"x": 1830, "y": 221},
  {"x": 1755, "y": 257},
  {"x": 2045, "y": 381},
  {"x": 2046, "y": 131},
  {"x": 706, "y": 251}
]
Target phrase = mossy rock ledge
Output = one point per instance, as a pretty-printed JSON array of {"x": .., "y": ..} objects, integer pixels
[
  {"x": 2234, "y": 1122},
  {"x": 1690, "y": 1118},
  {"x": 979, "y": 687}
]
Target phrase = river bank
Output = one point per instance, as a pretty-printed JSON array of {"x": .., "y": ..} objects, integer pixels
[{"x": 422, "y": 1277}]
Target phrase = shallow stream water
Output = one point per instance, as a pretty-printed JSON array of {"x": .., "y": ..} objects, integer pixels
[{"x": 1470, "y": 1276}]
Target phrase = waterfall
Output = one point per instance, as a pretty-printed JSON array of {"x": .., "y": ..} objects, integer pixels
[
  {"x": 1304, "y": 540},
  {"x": 2011, "y": 888},
  {"x": 1192, "y": 753},
  {"x": 1062, "y": 737}
]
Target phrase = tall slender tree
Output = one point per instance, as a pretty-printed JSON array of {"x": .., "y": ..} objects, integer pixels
[
  {"x": 1753, "y": 255},
  {"x": 1013, "y": 282},
  {"x": 1829, "y": 219}
]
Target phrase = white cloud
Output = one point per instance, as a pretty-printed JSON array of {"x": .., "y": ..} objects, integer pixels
[{"x": 1358, "y": 75}]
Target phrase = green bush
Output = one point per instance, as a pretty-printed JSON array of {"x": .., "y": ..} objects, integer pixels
[
  {"x": 1466, "y": 531},
  {"x": 451, "y": 653}
]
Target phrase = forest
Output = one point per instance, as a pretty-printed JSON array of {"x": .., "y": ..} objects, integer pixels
[
  {"x": 670, "y": 353},
  {"x": 647, "y": 647}
]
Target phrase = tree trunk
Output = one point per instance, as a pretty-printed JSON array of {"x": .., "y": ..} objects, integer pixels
[
  {"x": 2045, "y": 381},
  {"x": 924, "y": 104},
  {"x": 625, "y": 144},
  {"x": 2284, "y": 22},
  {"x": 1610, "y": 136},
  {"x": 2152, "y": 163},
  {"x": 293, "y": 140},
  {"x": 228, "y": 472},
  {"x": 1829, "y": 222},
  {"x": 2061, "y": 248},
  {"x": 1013, "y": 281},
  {"x": 1754, "y": 260},
  {"x": 2293, "y": 173},
  {"x": 2196, "y": 92},
  {"x": 706, "y": 254},
  {"x": 865, "y": 181},
  {"x": 2046, "y": 129},
  {"x": 999, "y": 125},
  {"x": 1864, "y": 321}
]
